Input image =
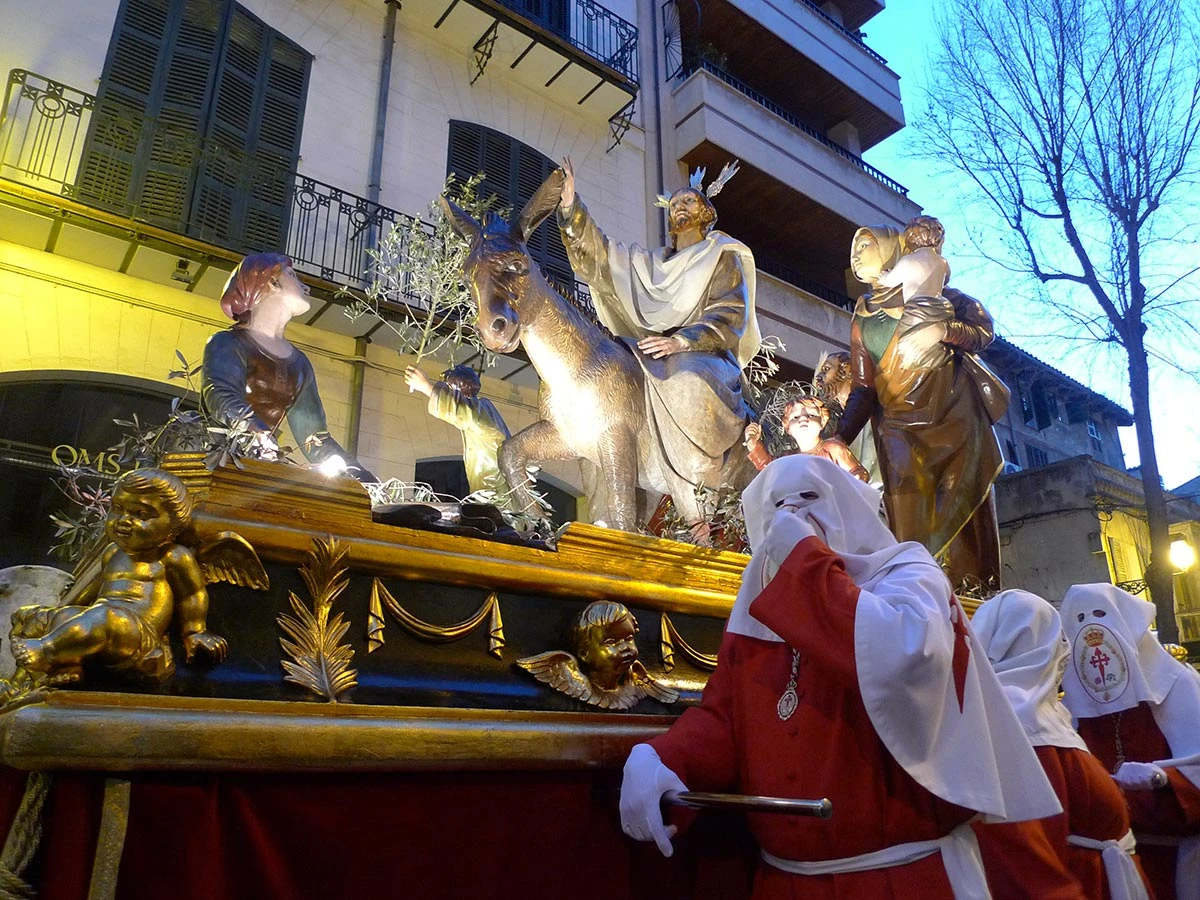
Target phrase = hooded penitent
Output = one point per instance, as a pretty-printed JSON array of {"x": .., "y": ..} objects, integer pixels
[
  {"x": 1023, "y": 637},
  {"x": 1116, "y": 663},
  {"x": 935, "y": 704}
]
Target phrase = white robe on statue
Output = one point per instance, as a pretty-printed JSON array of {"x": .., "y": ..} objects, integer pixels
[{"x": 703, "y": 294}]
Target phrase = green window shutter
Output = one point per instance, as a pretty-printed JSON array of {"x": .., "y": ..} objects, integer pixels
[
  {"x": 513, "y": 172},
  {"x": 115, "y": 153},
  {"x": 276, "y": 149},
  {"x": 252, "y": 138},
  {"x": 188, "y": 70},
  {"x": 197, "y": 122},
  {"x": 140, "y": 155},
  {"x": 463, "y": 156}
]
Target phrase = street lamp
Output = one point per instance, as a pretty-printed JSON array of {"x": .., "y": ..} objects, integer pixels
[{"x": 1182, "y": 555}]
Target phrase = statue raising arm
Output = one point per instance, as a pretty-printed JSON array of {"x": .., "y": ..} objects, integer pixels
[{"x": 693, "y": 296}]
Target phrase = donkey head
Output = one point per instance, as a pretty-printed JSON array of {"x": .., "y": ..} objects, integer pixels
[{"x": 498, "y": 268}]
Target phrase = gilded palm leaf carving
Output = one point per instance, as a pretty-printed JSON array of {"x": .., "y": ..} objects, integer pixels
[{"x": 319, "y": 661}]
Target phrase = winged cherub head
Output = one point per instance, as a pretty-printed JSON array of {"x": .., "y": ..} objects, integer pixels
[
  {"x": 604, "y": 642},
  {"x": 149, "y": 508}
]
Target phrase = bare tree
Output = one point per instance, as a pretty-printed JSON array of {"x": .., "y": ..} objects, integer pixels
[{"x": 1077, "y": 120}]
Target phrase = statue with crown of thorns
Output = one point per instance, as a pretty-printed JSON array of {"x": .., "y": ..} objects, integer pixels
[{"x": 687, "y": 313}]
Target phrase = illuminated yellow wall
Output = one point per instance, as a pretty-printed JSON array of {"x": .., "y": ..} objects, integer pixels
[
  {"x": 1187, "y": 583},
  {"x": 62, "y": 314},
  {"x": 1126, "y": 542}
]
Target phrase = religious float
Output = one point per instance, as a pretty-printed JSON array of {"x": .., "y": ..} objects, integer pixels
[
  {"x": 261, "y": 684},
  {"x": 394, "y": 704}
]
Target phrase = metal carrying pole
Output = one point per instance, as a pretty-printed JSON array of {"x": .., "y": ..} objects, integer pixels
[{"x": 820, "y": 809}]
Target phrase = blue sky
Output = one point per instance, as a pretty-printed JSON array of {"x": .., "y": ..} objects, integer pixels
[{"x": 904, "y": 34}]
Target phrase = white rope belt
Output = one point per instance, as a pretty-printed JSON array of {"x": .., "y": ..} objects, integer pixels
[
  {"x": 960, "y": 856},
  {"x": 1124, "y": 880}
]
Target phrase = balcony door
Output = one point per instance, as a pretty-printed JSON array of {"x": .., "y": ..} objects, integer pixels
[
  {"x": 197, "y": 122},
  {"x": 513, "y": 171}
]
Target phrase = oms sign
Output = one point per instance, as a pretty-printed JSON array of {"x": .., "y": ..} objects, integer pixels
[{"x": 105, "y": 462}]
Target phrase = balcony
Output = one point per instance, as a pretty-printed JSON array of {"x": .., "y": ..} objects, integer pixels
[
  {"x": 577, "y": 51},
  {"x": 809, "y": 318},
  {"x": 800, "y": 195},
  {"x": 53, "y": 197},
  {"x": 794, "y": 52},
  {"x": 854, "y": 13}
]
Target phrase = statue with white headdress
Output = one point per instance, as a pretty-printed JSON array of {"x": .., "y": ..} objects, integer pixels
[{"x": 687, "y": 313}]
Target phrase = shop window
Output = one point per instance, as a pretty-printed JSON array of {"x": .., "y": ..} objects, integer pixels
[{"x": 33, "y": 446}]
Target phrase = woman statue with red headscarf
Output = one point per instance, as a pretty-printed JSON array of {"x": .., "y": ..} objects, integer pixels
[{"x": 253, "y": 373}]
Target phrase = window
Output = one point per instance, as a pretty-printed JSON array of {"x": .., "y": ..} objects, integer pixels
[
  {"x": 197, "y": 122},
  {"x": 1093, "y": 429},
  {"x": 1040, "y": 404},
  {"x": 1035, "y": 457},
  {"x": 1010, "y": 452},
  {"x": 1026, "y": 399},
  {"x": 1126, "y": 558},
  {"x": 553, "y": 14},
  {"x": 513, "y": 172}
]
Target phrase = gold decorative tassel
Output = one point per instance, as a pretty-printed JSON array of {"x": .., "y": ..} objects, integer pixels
[
  {"x": 670, "y": 637},
  {"x": 444, "y": 634}
]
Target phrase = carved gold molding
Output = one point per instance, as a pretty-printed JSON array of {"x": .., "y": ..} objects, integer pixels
[
  {"x": 670, "y": 638},
  {"x": 113, "y": 732},
  {"x": 438, "y": 634},
  {"x": 278, "y": 509},
  {"x": 318, "y": 662}
]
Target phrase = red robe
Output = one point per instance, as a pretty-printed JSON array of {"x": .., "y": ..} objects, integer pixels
[
  {"x": 736, "y": 741},
  {"x": 1174, "y": 810},
  {"x": 1092, "y": 807}
]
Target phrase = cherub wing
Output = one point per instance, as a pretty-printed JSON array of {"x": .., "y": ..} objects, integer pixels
[
  {"x": 229, "y": 557},
  {"x": 651, "y": 688},
  {"x": 560, "y": 670}
]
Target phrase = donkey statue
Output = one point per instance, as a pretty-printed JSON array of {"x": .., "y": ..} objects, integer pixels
[{"x": 592, "y": 397}]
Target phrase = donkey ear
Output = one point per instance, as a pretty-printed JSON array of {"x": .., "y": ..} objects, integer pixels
[
  {"x": 463, "y": 223},
  {"x": 543, "y": 202}
]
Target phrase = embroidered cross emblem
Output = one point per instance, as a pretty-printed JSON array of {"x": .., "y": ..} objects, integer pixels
[{"x": 1099, "y": 660}]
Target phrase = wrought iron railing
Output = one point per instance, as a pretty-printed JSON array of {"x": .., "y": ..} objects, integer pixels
[
  {"x": 678, "y": 51},
  {"x": 587, "y": 26},
  {"x": 327, "y": 231},
  {"x": 43, "y": 125},
  {"x": 332, "y": 232},
  {"x": 853, "y": 36},
  {"x": 857, "y": 161}
]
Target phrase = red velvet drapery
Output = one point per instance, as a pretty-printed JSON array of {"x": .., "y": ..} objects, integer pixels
[{"x": 413, "y": 835}]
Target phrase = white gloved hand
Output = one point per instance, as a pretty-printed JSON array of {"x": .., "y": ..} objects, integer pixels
[
  {"x": 1140, "y": 776},
  {"x": 646, "y": 780}
]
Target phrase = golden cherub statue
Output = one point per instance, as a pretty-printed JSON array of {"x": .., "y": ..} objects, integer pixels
[
  {"x": 144, "y": 580},
  {"x": 607, "y": 672}
]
